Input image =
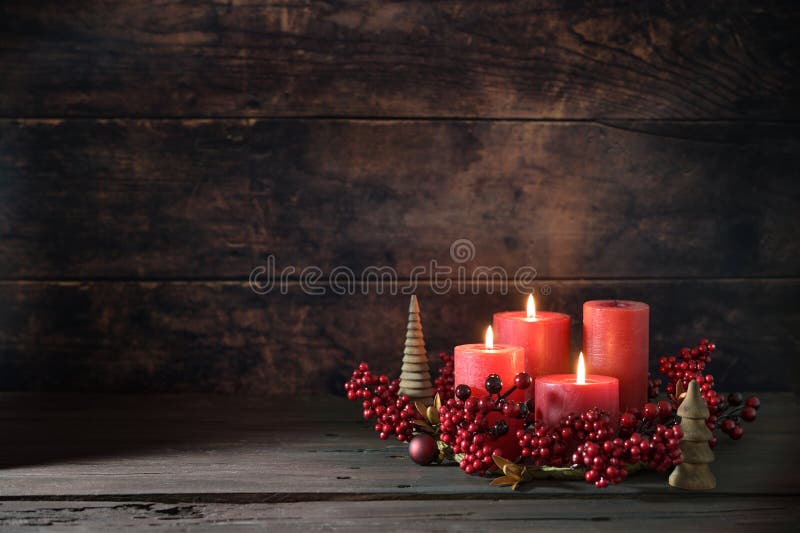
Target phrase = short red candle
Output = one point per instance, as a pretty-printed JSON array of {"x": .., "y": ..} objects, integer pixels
[
  {"x": 474, "y": 362},
  {"x": 545, "y": 339},
  {"x": 561, "y": 394},
  {"x": 616, "y": 343}
]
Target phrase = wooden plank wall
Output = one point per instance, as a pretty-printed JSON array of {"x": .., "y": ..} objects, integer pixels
[{"x": 153, "y": 154}]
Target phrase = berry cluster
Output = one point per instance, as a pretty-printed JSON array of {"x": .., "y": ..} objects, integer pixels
[
  {"x": 478, "y": 428},
  {"x": 394, "y": 414},
  {"x": 379, "y": 397},
  {"x": 606, "y": 456},
  {"x": 542, "y": 446},
  {"x": 739, "y": 410},
  {"x": 726, "y": 414},
  {"x": 444, "y": 380},
  {"x": 690, "y": 365},
  {"x": 653, "y": 387}
]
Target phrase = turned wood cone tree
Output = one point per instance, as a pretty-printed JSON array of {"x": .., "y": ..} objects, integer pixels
[
  {"x": 415, "y": 376},
  {"x": 694, "y": 473}
]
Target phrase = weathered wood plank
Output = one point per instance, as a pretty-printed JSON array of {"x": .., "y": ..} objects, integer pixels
[
  {"x": 221, "y": 336},
  {"x": 512, "y": 59},
  {"x": 211, "y": 199},
  {"x": 219, "y": 449},
  {"x": 628, "y": 514}
]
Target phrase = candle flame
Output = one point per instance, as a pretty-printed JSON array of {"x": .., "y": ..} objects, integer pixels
[
  {"x": 489, "y": 342},
  {"x": 581, "y": 370},
  {"x": 531, "y": 308}
]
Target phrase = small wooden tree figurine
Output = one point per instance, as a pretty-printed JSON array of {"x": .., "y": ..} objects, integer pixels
[
  {"x": 694, "y": 473},
  {"x": 415, "y": 376}
]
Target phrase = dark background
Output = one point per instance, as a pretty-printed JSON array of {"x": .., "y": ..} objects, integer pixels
[{"x": 153, "y": 154}]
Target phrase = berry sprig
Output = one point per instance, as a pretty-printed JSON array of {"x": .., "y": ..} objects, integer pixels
[
  {"x": 653, "y": 387},
  {"x": 734, "y": 412},
  {"x": 475, "y": 427},
  {"x": 726, "y": 414},
  {"x": 606, "y": 454},
  {"x": 542, "y": 446},
  {"x": 394, "y": 414},
  {"x": 444, "y": 380},
  {"x": 689, "y": 365}
]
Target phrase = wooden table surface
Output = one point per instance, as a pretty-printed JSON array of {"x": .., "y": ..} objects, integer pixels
[{"x": 88, "y": 462}]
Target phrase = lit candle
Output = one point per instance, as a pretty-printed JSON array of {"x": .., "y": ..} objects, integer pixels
[
  {"x": 544, "y": 336},
  {"x": 616, "y": 343},
  {"x": 474, "y": 362},
  {"x": 561, "y": 394}
]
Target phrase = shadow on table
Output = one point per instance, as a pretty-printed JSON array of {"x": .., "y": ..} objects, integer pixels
[{"x": 41, "y": 429}]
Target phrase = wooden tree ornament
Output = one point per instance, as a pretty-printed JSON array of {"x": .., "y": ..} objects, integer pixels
[
  {"x": 415, "y": 376},
  {"x": 694, "y": 473}
]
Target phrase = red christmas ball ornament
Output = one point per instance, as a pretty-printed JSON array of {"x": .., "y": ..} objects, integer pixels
[{"x": 422, "y": 449}]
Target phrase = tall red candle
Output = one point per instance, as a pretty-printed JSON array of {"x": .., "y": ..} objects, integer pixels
[
  {"x": 543, "y": 334},
  {"x": 561, "y": 394},
  {"x": 474, "y": 362},
  {"x": 616, "y": 343}
]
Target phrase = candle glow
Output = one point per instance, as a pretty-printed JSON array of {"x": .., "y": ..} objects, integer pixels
[
  {"x": 531, "y": 311},
  {"x": 581, "y": 379},
  {"x": 489, "y": 342}
]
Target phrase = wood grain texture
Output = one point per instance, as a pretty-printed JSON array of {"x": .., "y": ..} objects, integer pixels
[
  {"x": 224, "y": 449},
  {"x": 203, "y": 462},
  {"x": 199, "y": 199},
  {"x": 716, "y": 514},
  {"x": 222, "y": 337},
  {"x": 548, "y": 59}
]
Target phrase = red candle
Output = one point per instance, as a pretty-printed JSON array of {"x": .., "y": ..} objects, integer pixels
[
  {"x": 474, "y": 362},
  {"x": 544, "y": 335},
  {"x": 561, "y": 394},
  {"x": 508, "y": 443},
  {"x": 616, "y": 343}
]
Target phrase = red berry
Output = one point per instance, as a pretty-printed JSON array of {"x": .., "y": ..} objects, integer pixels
[
  {"x": 664, "y": 408},
  {"x": 650, "y": 410},
  {"x": 628, "y": 420},
  {"x": 749, "y": 413},
  {"x": 727, "y": 425},
  {"x": 522, "y": 380},
  {"x": 753, "y": 401},
  {"x": 463, "y": 391},
  {"x": 737, "y": 432},
  {"x": 493, "y": 384}
]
